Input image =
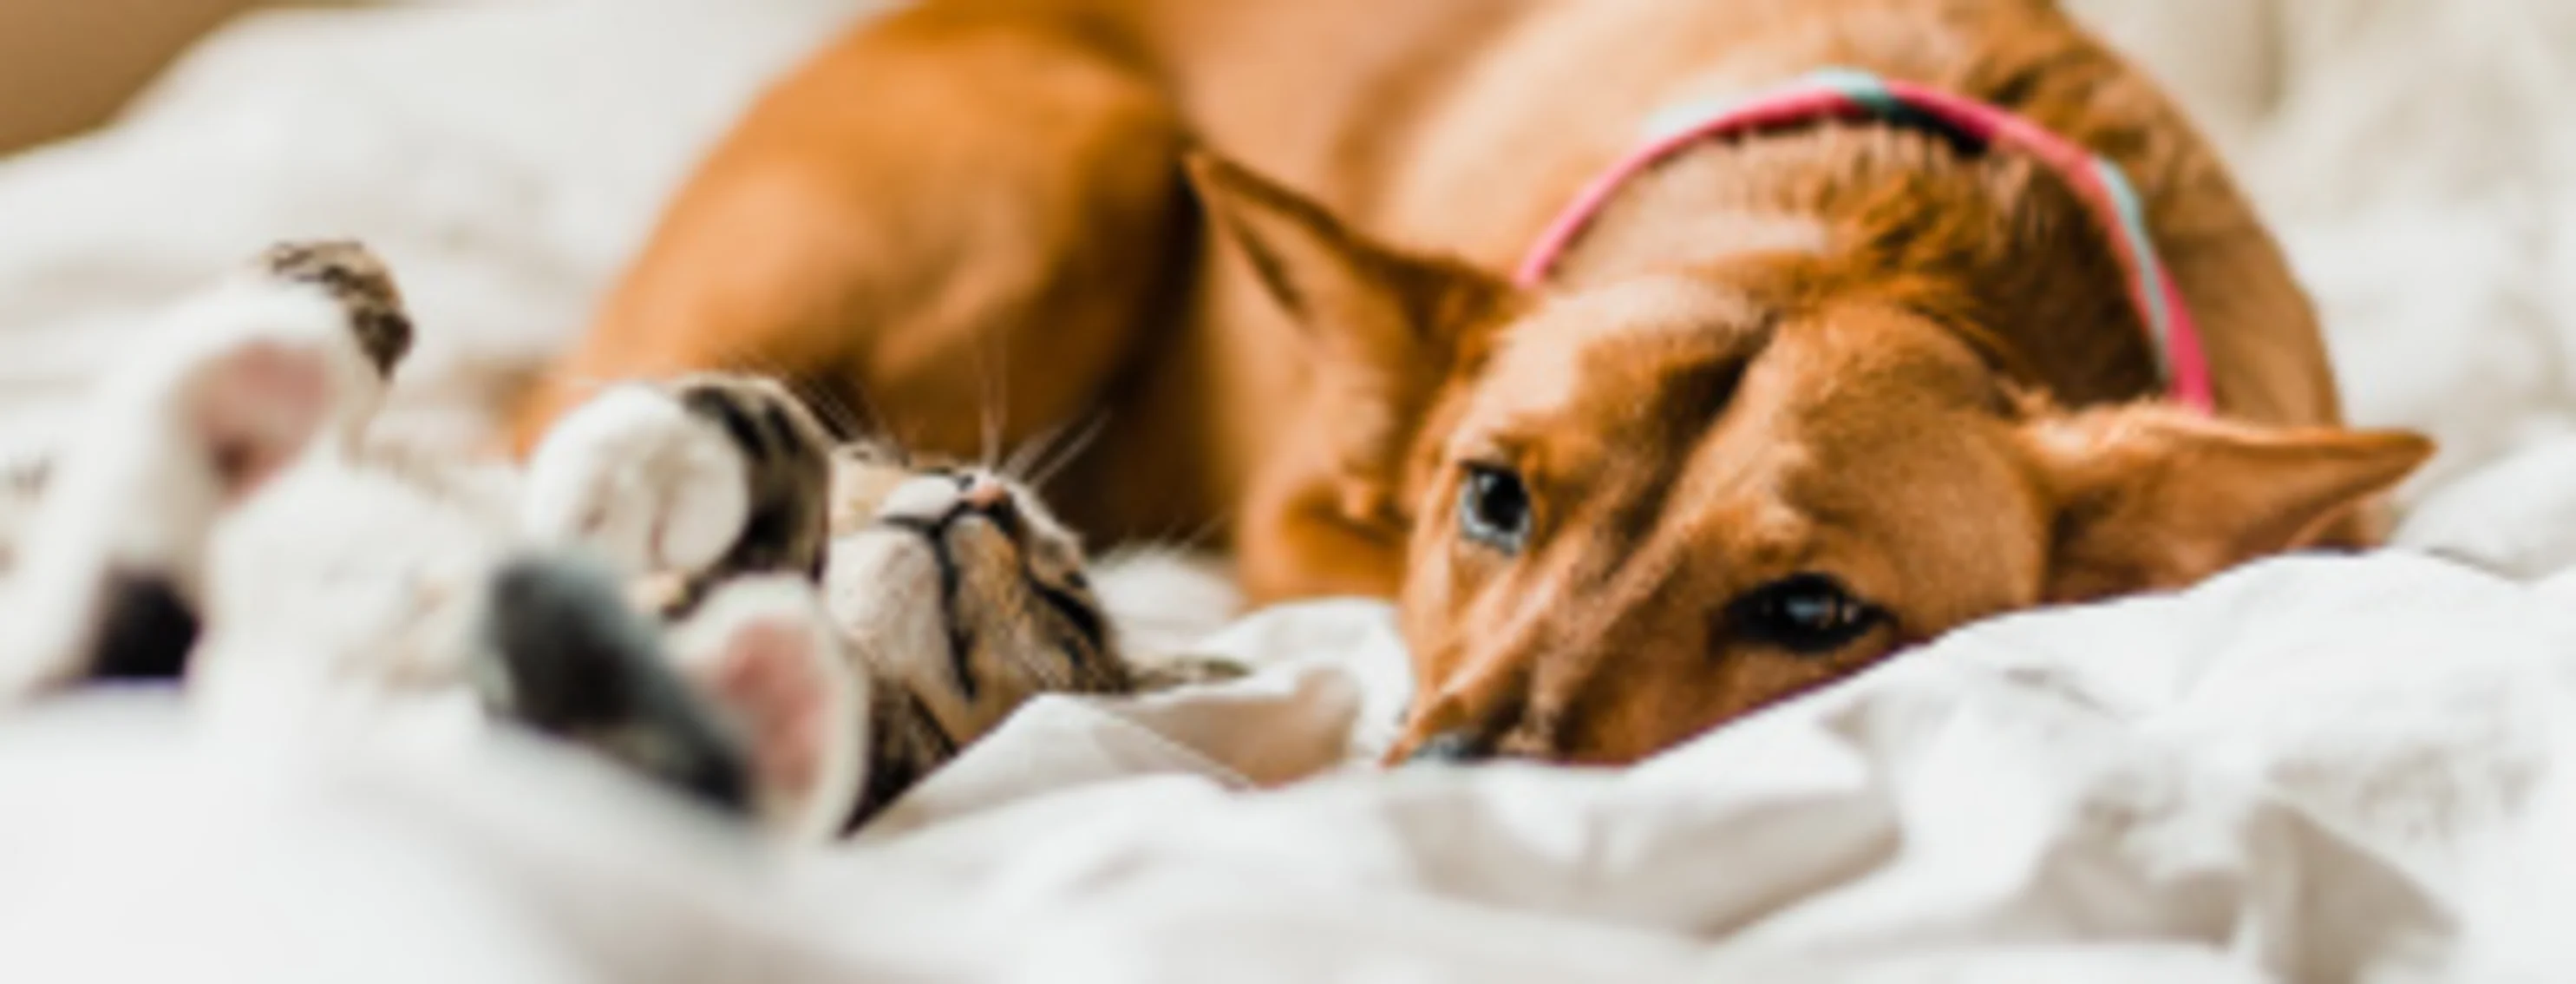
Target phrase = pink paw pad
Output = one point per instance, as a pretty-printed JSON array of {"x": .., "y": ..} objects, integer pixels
[
  {"x": 256, "y": 408},
  {"x": 770, "y": 677}
]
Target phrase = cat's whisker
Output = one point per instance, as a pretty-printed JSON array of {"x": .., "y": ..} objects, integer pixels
[
  {"x": 742, "y": 358},
  {"x": 988, "y": 428},
  {"x": 823, "y": 399},
  {"x": 837, "y": 415},
  {"x": 1000, "y": 397},
  {"x": 874, "y": 423},
  {"x": 1072, "y": 451},
  {"x": 990, "y": 442},
  {"x": 1016, "y": 466},
  {"x": 1198, "y": 538}
]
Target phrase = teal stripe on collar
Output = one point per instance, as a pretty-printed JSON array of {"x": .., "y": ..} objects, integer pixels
[
  {"x": 1861, "y": 87},
  {"x": 2133, "y": 227}
]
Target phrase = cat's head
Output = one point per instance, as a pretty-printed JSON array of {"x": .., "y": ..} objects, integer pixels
[
  {"x": 949, "y": 589},
  {"x": 957, "y": 580}
]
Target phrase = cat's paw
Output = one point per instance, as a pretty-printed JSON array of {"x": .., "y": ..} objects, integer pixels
[
  {"x": 702, "y": 478},
  {"x": 22, "y": 486},
  {"x": 359, "y": 286},
  {"x": 568, "y": 657},
  {"x": 332, "y": 305},
  {"x": 641, "y": 481},
  {"x": 251, "y": 370},
  {"x": 254, "y": 407},
  {"x": 763, "y": 650},
  {"x": 109, "y": 580}
]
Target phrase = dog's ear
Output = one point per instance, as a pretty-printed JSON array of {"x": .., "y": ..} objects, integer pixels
[
  {"x": 2150, "y": 496},
  {"x": 1385, "y": 329}
]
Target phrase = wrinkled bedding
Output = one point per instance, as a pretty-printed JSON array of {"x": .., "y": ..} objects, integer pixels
[{"x": 2315, "y": 769}]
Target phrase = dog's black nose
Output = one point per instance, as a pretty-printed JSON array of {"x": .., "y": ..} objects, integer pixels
[{"x": 1452, "y": 748}]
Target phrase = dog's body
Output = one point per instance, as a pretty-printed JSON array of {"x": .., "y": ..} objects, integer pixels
[{"x": 1842, "y": 362}]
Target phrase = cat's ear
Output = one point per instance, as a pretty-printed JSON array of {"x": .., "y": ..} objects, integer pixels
[{"x": 764, "y": 651}]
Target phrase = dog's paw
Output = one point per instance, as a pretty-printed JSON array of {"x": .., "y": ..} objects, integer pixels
[
  {"x": 763, "y": 651},
  {"x": 641, "y": 481}
]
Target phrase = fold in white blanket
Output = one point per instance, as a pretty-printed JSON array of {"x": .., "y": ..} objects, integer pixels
[{"x": 2310, "y": 770}]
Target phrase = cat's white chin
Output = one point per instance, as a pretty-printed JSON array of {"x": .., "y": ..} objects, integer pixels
[{"x": 882, "y": 589}]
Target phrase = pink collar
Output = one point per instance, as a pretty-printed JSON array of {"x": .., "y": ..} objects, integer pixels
[{"x": 1848, "y": 94}]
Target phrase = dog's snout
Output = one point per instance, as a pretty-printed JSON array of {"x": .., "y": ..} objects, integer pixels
[{"x": 1452, "y": 748}]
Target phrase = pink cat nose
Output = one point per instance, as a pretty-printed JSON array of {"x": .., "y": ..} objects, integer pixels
[
  {"x": 987, "y": 497},
  {"x": 985, "y": 494}
]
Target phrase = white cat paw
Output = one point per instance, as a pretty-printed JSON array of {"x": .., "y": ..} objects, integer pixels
[
  {"x": 332, "y": 305},
  {"x": 175, "y": 438},
  {"x": 764, "y": 652},
  {"x": 636, "y": 478}
]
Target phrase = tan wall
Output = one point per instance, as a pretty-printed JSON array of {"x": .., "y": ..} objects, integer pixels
[{"x": 66, "y": 64}]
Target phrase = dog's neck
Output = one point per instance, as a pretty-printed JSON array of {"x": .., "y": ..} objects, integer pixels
[{"x": 1993, "y": 244}]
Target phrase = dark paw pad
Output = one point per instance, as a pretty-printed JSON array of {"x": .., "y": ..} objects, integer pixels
[
  {"x": 580, "y": 664},
  {"x": 145, "y": 631}
]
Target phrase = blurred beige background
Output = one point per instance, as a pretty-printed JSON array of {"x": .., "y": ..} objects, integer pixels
[{"x": 65, "y": 65}]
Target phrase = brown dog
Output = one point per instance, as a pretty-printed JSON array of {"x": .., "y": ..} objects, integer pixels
[{"x": 1794, "y": 401}]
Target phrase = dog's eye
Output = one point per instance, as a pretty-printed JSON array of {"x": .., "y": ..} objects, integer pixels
[
  {"x": 1808, "y": 614},
  {"x": 1494, "y": 509}
]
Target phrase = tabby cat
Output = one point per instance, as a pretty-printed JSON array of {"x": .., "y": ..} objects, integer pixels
[{"x": 693, "y": 577}]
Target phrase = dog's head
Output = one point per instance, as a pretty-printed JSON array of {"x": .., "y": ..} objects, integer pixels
[{"x": 1644, "y": 506}]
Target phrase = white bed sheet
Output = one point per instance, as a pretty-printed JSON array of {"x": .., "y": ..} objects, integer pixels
[
  {"x": 2314, "y": 770},
  {"x": 2311, "y": 770}
]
